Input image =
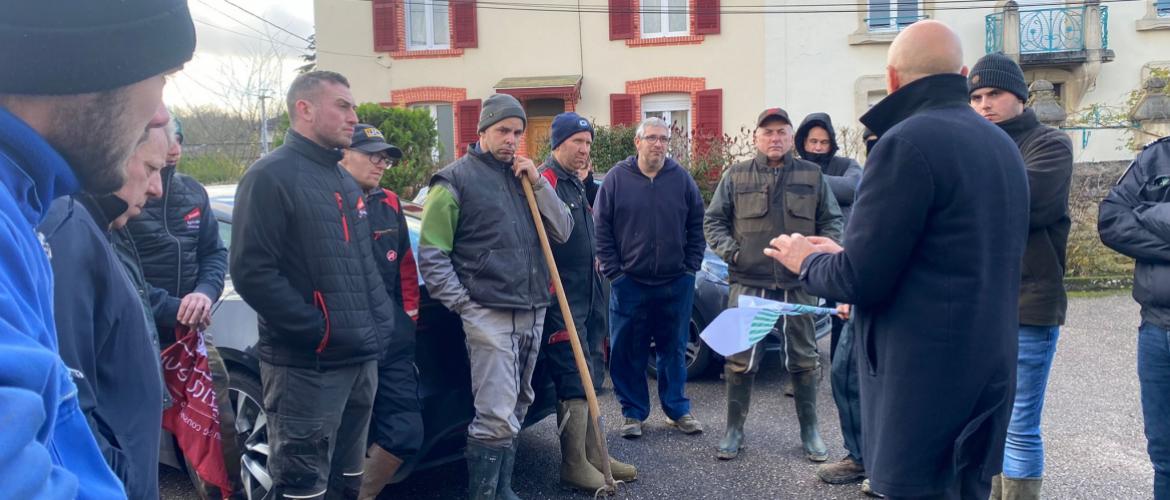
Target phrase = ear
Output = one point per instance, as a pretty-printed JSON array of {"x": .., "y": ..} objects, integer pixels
[
  {"x": 305, "y": 109},
  {"x": 964, "y": 71},
  {"x": 892, "y": 83}
]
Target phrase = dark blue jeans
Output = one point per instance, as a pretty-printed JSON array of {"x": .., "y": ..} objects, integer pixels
[
  {"x": 1154, "y": 374},
  {"x": 846, "y": 392},
  {"x": 638, "y": 314}
]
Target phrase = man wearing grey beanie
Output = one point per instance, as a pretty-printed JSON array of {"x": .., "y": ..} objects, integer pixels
[
  {"x": 480, "y": 257},
  {"x": 82, "y": 82}
]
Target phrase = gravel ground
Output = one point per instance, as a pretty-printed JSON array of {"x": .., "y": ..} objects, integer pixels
[{"x": 1092, "y": 427}]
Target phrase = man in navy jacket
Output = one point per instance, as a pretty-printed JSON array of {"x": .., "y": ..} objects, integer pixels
[{"x": 649, "y": 218}]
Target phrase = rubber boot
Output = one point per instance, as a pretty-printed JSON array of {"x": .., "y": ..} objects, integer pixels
[
  {"x": 996, "y": 487},
  {"x": 620, "y": 471},
  {"x": 739, "y": 399},
  {"x": 483, "y": 469},
  {"x": 379, "y": 471},
  {"x": 805, "y": 391},
  {"x": 1021, "y": 489},
  {"x": 576, "y": 472},
  {"x": 504, "y": 484}
]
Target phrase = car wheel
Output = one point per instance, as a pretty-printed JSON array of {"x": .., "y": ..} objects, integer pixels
[
  {"x": 252, "y": 432},
  {"x": 698, "y": 355}
]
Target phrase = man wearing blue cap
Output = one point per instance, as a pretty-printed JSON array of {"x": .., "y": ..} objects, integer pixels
[{"x": 571, "y": 139}]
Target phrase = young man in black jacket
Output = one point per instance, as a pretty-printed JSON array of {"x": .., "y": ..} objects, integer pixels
[
  {"x": 998, "y": 93},
  {"x": 1135, "y": 220},
  {"x": 301, "y": 257}
]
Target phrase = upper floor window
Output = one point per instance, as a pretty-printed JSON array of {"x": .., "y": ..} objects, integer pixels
[
  {"x": 427, "y": 26},
  {"x": 665, "y": 18},
  {"x": 674, "y": 109},
  {"x": 892, "y": 15}
]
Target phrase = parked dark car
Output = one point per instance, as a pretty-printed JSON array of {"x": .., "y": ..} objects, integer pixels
[{"x": 440, "y": 355}]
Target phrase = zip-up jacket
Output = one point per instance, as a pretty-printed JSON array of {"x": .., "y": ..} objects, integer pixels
[
  {"x": 576, "y": 256},
  {"x": 301, "y": 257},
  {"x": 392, "y": 252},
  {"x": 650, "y": 229},
  {"x": 1135, "y": 220},
  {"x": 177, "y": 237},
  {"x": 843, "y": 174}
]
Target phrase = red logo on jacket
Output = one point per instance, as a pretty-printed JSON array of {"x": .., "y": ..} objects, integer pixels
[
  {"x": 361, "y": 208},
  {"x": 193, "y": 219}
]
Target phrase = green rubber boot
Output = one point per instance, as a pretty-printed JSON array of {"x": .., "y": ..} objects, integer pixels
[
  {"x": 805, "y": 392},
  {"x": 739, "y": 399}
]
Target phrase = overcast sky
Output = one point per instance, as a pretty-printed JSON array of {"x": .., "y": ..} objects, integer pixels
[{"x": 233, "y": 45}]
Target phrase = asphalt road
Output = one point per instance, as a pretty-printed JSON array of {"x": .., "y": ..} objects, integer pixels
[{"x": 1092, "y": 427}]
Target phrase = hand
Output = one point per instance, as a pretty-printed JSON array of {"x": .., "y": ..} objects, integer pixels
[
  {"x": 825, "y": 245},
  {"x": 195, "y": 310},
  {"x": 790, "y": 250},
  {"x": 522, "y": 166},
  {"x": 843, "y": 311}
]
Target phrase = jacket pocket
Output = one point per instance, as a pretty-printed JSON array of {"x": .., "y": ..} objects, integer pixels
[
  {"x": 751, "y": 202},
  {"x": 344, "y": 220},
  {"x": 801, "y": 201},
  {"x": 319, "y": 302}
]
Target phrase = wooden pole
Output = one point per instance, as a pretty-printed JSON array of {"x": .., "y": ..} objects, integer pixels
[{"x": 578, "y": 353}]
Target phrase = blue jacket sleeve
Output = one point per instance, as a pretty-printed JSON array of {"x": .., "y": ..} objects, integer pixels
[
  {"x": 696, "y": 244},
  {"x": 607, "y": 252},
  {"x": 213, "y": 255},
  {"x": 165, "y": 310}
]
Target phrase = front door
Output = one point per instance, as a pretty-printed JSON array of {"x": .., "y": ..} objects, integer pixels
[{"x": 536, "y": 137}]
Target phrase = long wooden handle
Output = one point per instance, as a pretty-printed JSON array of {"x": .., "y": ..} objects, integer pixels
[{"x": 578, "y": 353}]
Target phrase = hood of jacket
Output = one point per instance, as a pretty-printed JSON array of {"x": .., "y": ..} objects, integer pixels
[{"x": 816, "y": 120}]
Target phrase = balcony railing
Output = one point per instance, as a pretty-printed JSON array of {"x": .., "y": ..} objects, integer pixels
[{"x": 1044, "y": 31}]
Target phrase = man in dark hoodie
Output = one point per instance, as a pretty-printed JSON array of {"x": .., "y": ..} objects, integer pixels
[
  {"x": 649, "y": 217},
  {"x": 998, "y": 93}
]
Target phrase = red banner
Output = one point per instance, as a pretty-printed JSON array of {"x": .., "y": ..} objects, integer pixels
[{"x": 194, "y": 416}]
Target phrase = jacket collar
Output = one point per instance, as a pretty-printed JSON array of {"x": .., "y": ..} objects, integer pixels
[
  {"x": 935, "y": 91},
  {"x": 562, "y": 172},
  {"x": 631, "y": 164},
  {"x": 487, "y": 157},
  {"x": 41, "y": 173},
  {"x": 311, "y": 150},
  {"x": 104, "y": 209},
  {"x": 761, "y": 160},
  {"x": 1021, "y": 124}
]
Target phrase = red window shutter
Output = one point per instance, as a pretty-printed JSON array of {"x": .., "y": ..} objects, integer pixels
[
  {"x": 621, "y": 109},
  {"x": 708, "y": 119},
  {"x": 621, "y": 20},
  {"x": 465, "y": 35},
  {"x": 386, "y": 25},
  {"x": 706, "y": 17},
  {"x": 467, "y": 125}
]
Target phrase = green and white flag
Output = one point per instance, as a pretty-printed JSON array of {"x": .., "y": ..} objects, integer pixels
[{"x": 739, "y": 328}]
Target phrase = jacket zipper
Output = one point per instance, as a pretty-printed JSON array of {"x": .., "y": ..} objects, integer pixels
[
  {"x": 178, "y": 243},
  {"x": 341, "y": 210},
  {"x": 319, "y": 301}
]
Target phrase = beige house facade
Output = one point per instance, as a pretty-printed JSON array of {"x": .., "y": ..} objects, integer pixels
[{"x": 709, "y": 68}]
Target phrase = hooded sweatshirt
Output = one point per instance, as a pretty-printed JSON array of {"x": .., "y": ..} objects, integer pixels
[{"x": 843, "y": 174}]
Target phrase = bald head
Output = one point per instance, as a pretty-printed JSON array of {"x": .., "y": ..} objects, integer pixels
[{"x": 923, "y": 49}]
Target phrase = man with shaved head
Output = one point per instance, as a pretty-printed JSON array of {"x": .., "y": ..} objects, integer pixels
[{"x": 932, "y": 265}]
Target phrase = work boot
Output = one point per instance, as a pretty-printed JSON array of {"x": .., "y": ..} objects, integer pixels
[
  {"x": 805, "y": 385},
  {"x": 739, "y": 399},
  {"x": 844, "y": 472},
  {"x": 1021, "y": 489},
  {"x": 483, "y": 469},
  {"x": 379, "y": 470},
  {"x": 996, "y": 487},
  {"x": 576, "y": 472},
  {"x": 504, "y": 485},
  {"x": 620, "y": 471}
]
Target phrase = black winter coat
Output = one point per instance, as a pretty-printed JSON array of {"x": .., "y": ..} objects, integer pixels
[
  {"x": 1135, "y": 220},
  {"x": 932, "y": 264},
  {"x": 301, "y": 257},
  {"x": 843, "y": 174},
  {"x": 575, "y": 258}
]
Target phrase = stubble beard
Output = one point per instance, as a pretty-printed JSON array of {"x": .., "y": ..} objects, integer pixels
[{"x": 96, "y": 139}]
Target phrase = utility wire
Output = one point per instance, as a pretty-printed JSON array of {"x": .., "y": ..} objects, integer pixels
[{"x": 270, "y": 23}]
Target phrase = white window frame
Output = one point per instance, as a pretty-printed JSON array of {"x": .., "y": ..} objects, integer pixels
[
  {"x": 433, "y": 109},
  {"x": 662, "y": 8},
  {"x": 669, "y": 102},
  {"x": 428, "y": 14},
  {"x": 894, "y": 14}
]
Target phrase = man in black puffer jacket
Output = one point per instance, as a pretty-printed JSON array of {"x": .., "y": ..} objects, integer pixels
[
  {"x": 301, "y": 257},
  {"x": 183, "y": 257}
]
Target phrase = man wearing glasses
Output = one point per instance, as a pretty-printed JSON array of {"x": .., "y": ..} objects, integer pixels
[
  {"x": 649, "y": 222},
  {"x": 773, "y": 193},
  {"x": 396, "y": 428}
]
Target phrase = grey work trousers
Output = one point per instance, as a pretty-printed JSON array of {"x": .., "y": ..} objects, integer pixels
[{"x": 502, "y": 347}]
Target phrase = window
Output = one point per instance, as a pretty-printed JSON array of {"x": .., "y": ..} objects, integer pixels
[
  {"x": 426, "y": 25},
  {"x": 1163, "y": 7},
  {"x": 445, "y": 123},
  {"x": 664, "y": 18},
  {"x": 887, "y": 15},
  {"x": 873, "y": 97},
  {"x": 674, "y": 109}
]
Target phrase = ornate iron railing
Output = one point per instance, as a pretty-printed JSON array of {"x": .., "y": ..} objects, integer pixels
[
  {"x": 994, "y": 26},
  {"x": 1046, "y": 30}
]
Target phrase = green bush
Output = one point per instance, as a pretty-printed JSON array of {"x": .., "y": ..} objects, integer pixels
[
  {"x": 213, "y": 168},
  {"x": 611, "y": 145}
]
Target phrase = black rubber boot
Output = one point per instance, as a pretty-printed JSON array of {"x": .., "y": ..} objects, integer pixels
[
  {"x": 805, "y": 391},
  {"x": 739, "y": 399},
  {"x": 483, "y": 470},
  {"x": 504, "y": 485}
]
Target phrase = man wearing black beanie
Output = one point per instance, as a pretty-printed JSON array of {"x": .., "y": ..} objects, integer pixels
[
  {"x": 82, "y": 82},
  {"x": 998, "y": 93}
]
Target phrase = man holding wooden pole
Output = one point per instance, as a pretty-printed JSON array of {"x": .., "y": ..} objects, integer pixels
[{"x": 480, "y": 256}]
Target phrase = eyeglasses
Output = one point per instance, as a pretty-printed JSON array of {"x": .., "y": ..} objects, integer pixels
[
  {"x": 380, "y": 159},
  {"x": 661, "y": 139}
]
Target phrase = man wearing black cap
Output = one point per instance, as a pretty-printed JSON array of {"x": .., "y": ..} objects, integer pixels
[
  {"x": 998, "y": 93},
  {"x": 481, "y": 258},
  {"x": 301, "y": 257},
  {"x": 571, "y": 138},
  {"x": 82, "y": 82},
  {"x": 396, "y": 428},
  {"x": 773, "y": 193}
]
